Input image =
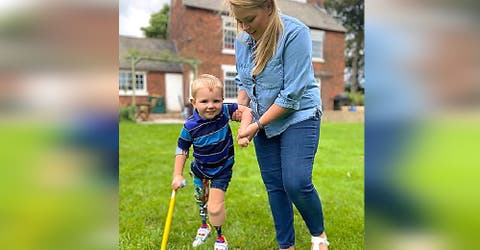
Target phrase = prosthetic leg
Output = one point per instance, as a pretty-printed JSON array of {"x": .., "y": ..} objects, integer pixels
[{"x": 201, "y": 197}]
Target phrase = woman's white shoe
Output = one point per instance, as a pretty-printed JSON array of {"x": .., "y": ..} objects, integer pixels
[{"x": 316, "y": 241}]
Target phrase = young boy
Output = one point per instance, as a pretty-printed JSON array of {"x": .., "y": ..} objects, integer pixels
[{"x": 208, "y": 130}]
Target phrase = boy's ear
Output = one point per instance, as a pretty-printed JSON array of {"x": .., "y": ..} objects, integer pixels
[{"x": 192, "y": 101}]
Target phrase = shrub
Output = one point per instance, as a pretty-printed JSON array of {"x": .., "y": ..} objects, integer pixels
[
  {"x": 127, "y": 113},
  {"x": 358, "y": 99}
]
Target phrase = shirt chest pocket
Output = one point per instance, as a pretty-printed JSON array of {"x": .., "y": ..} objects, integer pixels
[{"x": 271, "y": 77}]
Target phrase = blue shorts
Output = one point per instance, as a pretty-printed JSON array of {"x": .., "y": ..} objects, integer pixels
[{"x": 220, "y": 180}]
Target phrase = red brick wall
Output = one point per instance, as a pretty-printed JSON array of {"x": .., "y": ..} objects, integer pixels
[
  {"x": 197, "y": 33},
  {"x": 156, "y": 83},
  {"x": 320, "y": 3},
  {"x": 333, "y": 65},
  {"x": 155, "y": 86}
]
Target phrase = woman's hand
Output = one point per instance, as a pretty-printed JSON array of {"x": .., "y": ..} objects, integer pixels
[{"x": 249, "y": 132}]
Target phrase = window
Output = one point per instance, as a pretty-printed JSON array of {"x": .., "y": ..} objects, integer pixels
[
  {"x": 229, "y": 34},
  {"x": 317, "y": 45},
  {"x": 125, "y": 80},
  {"x": 302, "y": 1},
  {"x": 230, "y": 88}
]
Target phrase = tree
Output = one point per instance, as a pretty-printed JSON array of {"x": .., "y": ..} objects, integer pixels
[
  {"x": 158, "y": 24},
  {"x": 351, "y": 14}
]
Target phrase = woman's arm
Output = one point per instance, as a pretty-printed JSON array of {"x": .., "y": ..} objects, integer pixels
[
  {"x": 297, "y": 74},
  {"x": 246, "y": 120},
  {"x": 274, "y": 112},
  {"x": 242, "y": 99},
  {"x": 247, "y": 116}
]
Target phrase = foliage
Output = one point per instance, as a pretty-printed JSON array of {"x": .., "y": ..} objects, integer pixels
[
  {"x": 351, "y": 14},
  {"x": 358, "y": 99},
  {"x": 158, "y": 24},
  {"x": 127, "y": 113},
  {"x": 146, "y": 165}
]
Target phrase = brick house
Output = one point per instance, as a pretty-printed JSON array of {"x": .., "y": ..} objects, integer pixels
[
  {"x": 202, "y": 29},
  {"x": 153, "y": 78}
]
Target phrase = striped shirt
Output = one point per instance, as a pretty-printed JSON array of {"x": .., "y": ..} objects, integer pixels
[{"x": 212, "y": 140}]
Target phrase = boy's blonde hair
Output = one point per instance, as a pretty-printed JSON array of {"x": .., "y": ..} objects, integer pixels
[
  {"x": 205, "y": 81},
  {"x": 267, "y": 44}
]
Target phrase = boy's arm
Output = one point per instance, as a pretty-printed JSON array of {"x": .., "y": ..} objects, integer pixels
[{"x": 180, "y": 160}]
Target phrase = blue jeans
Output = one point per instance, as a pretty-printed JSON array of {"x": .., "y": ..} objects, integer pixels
[{"x": 286, "y": 163}]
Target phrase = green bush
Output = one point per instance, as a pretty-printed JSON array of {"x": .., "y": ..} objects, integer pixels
[
  {"x": 127, "y": 113},
  {"x": 358, "y": 99}
]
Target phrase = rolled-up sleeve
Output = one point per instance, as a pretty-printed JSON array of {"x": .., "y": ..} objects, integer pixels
[
  {"x": 184, "y": 142},
  {"x": 297, "y": 63},
  {"x": 239, "y": 82}
]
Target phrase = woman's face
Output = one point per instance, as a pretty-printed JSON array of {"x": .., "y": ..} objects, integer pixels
[{"x": 254, "y": 21}]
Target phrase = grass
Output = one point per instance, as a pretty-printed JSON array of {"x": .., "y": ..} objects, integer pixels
[{"x": 146, "y": 165}]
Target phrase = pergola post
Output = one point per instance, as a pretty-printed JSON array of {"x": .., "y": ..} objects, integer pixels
[{"x": 135, "y": 57}]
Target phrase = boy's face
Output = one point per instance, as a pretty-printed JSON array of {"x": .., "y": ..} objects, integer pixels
[{"x": 208, "y": 103}]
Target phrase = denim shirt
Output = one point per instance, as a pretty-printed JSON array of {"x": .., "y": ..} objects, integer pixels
[{"x": 287, "y": 80}]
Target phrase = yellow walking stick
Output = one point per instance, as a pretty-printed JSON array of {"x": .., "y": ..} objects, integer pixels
[{"x": 168, "y": 222}]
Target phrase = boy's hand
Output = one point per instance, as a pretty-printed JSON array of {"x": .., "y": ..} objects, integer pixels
[
  {"x": 243, "y": 142},
  {"x": 237, "y": 115},
  {"x": 177, "y": 182}
]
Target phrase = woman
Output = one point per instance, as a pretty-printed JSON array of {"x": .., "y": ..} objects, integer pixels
[{"x": 273, "y": 55}]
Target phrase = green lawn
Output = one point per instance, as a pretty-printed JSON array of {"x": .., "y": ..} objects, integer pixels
[{"x": 146, "y": 165}]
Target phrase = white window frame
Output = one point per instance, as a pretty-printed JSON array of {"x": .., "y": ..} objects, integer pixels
[
  {"x": 138, "y": 92},
  {"x": 229, "y": 69},
  {"x": 318, "y": 36},
  {"x": 225, "y": 28},
  {"x": 319, "y": 82},
  {"x": 301, "y": 1}
]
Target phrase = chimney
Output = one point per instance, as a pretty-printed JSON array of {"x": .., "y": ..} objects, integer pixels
[{"x": 317, "y": 3}]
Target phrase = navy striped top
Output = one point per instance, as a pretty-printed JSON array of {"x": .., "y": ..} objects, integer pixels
[{"x": 212, "y": 139}]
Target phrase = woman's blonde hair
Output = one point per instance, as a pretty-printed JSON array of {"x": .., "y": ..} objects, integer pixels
[
  {"x": 205, "y": 81},
  {"x": 267, "y": 44}
]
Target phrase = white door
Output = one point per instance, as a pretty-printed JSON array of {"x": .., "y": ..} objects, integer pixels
[{"x": 174, "y": 92}]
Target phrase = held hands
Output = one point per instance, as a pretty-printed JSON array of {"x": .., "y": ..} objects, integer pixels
[
  {"x": 237, "y": 115},
  {"x": 245, "y": 135},
  {"x": 243, "y": 142},
  {"x": 178, "y": 182},
  {"x": 249, "y": 132}
]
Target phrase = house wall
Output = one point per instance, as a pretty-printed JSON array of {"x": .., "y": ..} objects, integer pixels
[
  {"x": 333, "y": 81},
  {"x": 319, "y": 3},
  {"x": 155, "y": 86},
  {"x": 198, "y": 33}
]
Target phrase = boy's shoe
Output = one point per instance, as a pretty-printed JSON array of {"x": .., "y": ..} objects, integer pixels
[
  {"x": 202, "y": 233},
  {"x": 221, "y": 243}
]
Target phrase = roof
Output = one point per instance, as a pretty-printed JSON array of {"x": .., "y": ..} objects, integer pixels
[
  {"x": 312, "y": 16},
  {"x": 148, "y": 45}
]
